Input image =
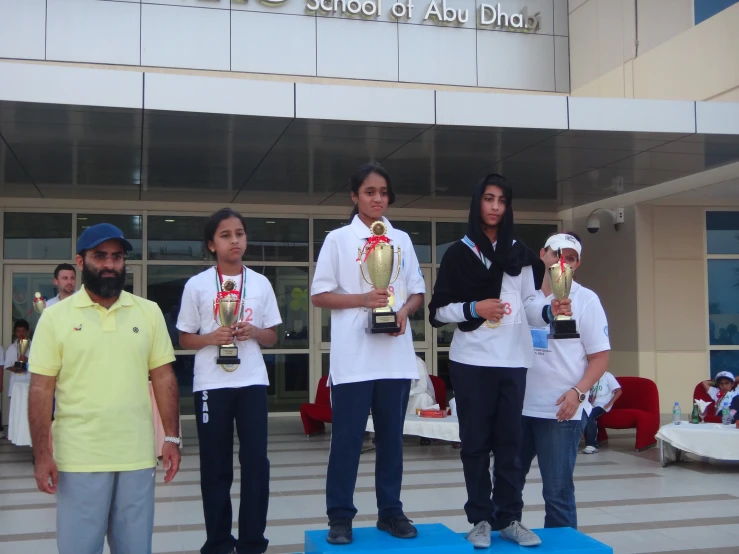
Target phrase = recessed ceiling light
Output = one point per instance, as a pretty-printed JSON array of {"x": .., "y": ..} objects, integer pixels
[
  {"x": 81, "y": 218},
  {"x": 169, "y": 220},
  {"x": 269, "y": 221}
]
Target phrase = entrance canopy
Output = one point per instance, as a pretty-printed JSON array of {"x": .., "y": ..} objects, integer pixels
[{"x": 83, "y": 133}]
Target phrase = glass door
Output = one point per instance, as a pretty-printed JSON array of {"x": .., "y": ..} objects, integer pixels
[{"x": 21, "y": 283}]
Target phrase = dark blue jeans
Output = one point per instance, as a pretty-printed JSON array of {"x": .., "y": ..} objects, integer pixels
[
  {"x": 351, "y": 404},
  {"x": 555, "y": 445},
  {"x": 591, "y": 429}
]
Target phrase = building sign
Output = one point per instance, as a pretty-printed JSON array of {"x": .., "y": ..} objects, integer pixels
[{"x": 441, "y": 12}]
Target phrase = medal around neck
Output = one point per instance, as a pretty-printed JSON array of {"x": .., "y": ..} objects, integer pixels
[
  {"x": 19, "y": 366},
  {"x": 560, "y": 276},
  {"x": 39, "y": 303},
  {"x": 376, "y": 266}
]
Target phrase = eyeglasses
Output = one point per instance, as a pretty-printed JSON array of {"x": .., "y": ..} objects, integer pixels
[{"x": 102, "y": 256}]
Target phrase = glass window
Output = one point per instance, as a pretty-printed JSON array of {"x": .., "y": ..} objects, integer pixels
[
  {"x": 724, "y": 360},
  {"x": 37, "y": 236},
  {"x": 533, "y": 235},
  {"x": 288, "y": 381},
  {"x": 176, "y": 238},
  {"x": 321, "y": 228},
  {"x": 445, "y": 334},
  {"x": 278, "y": 240},
  {"x": 723, "y": 301},
  {"x": 291, "y": 289},
  {"x": 325, "y": 363},
  {"x": 420, "y": 233},
  {"x": 722, "y": 232},
  {"x": 442, "y": 370},
  {"x": 25, "y": 286},
  {"x": 446, "y": 235},
  {"x": 129, "y": 224},
  {"x": 164, "y": 286},
  {"x": 184, "y": 367}
]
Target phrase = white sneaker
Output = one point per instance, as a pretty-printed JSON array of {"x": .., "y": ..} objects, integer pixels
[
  {"x": 480, "y": 535},
  {"x": 590, "y": 450},
  {"x": 520, "y": 534}
]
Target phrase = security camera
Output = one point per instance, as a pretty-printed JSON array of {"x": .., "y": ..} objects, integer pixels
[{"x": 593, "y": 222}]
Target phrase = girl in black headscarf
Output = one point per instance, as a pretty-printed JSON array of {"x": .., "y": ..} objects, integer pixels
[{"x": 487, "y": 284}]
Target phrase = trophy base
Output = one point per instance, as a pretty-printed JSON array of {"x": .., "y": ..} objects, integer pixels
[
  {"x": 563, "y": 329},
  {"x": 228, "y": 357},
  {"x": 20, "y": 367},
  {"x": 382, "y": 322}
]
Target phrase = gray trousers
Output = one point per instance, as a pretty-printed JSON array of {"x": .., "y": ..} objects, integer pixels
[{"x": 91, "y": 505}]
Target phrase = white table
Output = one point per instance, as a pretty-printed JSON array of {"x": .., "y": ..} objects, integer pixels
[
  {"x": 18, "y": 431},
  {"x": 442, "y": 428},
  {"x": 710, "y": 440}
]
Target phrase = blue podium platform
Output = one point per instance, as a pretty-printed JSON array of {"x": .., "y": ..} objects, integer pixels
[{"x": 438, "y": 539}]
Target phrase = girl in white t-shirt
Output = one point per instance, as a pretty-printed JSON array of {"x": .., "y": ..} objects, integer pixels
[
  {"x": 224, "y": 392},
  {"x": 368, "y": 371},
  {"x": 21, "y": 329}
]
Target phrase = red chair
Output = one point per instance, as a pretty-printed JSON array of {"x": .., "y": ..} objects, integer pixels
[
  {"x": 439, "y": 391},
  {"x": 700, "y": 394},
  {"x": 637, "y": 408},
  {"x": 315, "y": 415}
]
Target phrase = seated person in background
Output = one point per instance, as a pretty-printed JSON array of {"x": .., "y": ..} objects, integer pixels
[
  {"x": 603, "y": 396},
  {"x": 734, "y": 409},
  {"x": 422, "y": 389},
  {"x": 722, "y": 388}
]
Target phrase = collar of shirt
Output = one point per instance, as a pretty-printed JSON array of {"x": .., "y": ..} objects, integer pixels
[
  {"x": 83, "y": 300},
  {"x": 363, "y": 232}
]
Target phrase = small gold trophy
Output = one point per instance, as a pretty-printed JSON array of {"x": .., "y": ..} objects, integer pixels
[
  {"x": 227, "y": 309},
  {"x": 378, "y": 256},
  {"x": 560, "y": 276},
  {"x": 39, "y": 303},
  {"x": 19, "y": 366}
]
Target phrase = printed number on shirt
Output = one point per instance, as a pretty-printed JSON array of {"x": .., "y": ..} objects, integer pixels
[
  {"x": 512, "y": 308},
  {"x": 248, "y": 315}
]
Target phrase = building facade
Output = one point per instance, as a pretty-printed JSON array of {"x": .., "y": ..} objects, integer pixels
[{"x": 153, "y": 114}]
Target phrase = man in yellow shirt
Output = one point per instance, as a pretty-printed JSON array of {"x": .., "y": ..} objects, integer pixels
[{"x": 97, "y": 352}]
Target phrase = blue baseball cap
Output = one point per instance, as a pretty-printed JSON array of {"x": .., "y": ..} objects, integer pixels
[{"x": 96, "y": 235}]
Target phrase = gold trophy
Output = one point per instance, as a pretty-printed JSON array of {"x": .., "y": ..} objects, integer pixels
[
  {"x": 19, "y": 366},
  {"x": 39, "y": 303},
  {"x": 378, "y": 256},
  {"x": 560, "y": 276},
  {"x": 227, "y": 308}
]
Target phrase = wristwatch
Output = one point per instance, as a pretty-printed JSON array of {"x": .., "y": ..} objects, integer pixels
[
  {"x": 580, "y": 395},
  {"x": 173, "y": 440}
]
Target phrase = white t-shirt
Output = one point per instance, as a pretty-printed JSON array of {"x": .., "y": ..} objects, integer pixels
[
  {"x": 11, "y": 356},
  {"x": 52, "y": 301},
  {"x": 713, "y": 393},
  {"x": 509, "y": 344},
  {"x": 356, "y": 355},
  {"x": 560, "y": 364},
  {"x": 196, "y": 316},
  {"x": 603, "y": 390}
]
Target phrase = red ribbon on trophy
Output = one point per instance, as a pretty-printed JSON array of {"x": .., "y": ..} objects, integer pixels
[{"x": 372, "y": 242}]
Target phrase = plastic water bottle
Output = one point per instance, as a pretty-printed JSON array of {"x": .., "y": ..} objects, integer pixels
[
  {"x": 725, "y": 413},
  {"x": 676, "y": 414}
]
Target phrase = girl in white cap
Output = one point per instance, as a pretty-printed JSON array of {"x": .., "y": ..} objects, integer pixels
[{"x": 723, "y": 387}]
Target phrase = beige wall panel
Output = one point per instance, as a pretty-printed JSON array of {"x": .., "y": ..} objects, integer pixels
[
  {"x": 680, "y": 305},
  {"x": 678, "y": 233},
  {"x": 677, "y": 375}
]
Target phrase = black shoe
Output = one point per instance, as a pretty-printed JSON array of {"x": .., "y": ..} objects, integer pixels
[
  {"x": 340, "y": 531},
  {"x": 398, "y": 526}
]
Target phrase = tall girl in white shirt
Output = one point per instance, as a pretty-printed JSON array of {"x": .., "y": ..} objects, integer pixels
[
  {"x": 224, "y": 396},
  {"x": 367, "y": 371},
  {"x": 487, "y": 284}
]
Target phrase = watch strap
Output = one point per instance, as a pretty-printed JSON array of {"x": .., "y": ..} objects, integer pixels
[
  {"x": 173, "y": 440},
  {"x": 580, "y": 394}
]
